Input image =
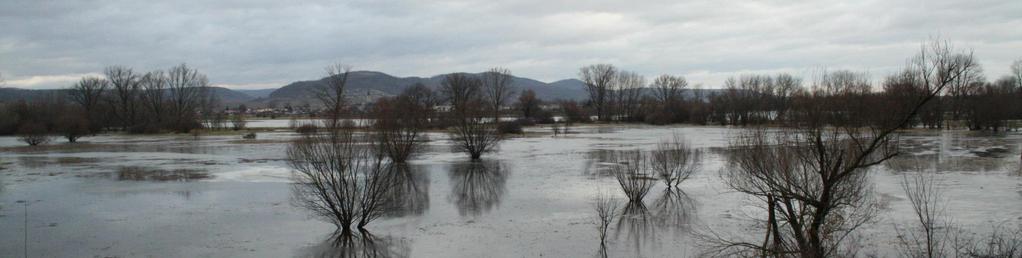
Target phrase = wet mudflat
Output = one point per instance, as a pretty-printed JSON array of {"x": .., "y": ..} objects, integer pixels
[{"x": 220, "y": 196}]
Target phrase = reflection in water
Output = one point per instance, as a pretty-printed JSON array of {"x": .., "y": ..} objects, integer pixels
[
  {"x": 637, "y": 222},
  {"x": 955, "y": 152},
  {"x": 32, "y": 162},
  {"x": 672, "y": 211},
  {"x": 410, "y": 194},
  {"x": 600, "y": 162},
  {"x": 602, "y": 252},
  {"x": 358, "y": 244},
  {"x": 929, "y": 162},
  {"x": 151, "y": 174},
  {"x": 477, "y": 187}
]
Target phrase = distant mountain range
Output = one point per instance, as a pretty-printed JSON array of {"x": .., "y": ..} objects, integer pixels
[
  {"x": 361, "y": 86},
  {"x": 374, "y": 84}
]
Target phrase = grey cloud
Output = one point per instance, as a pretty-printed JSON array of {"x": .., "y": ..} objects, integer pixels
[{"x": 258, "y": 43}]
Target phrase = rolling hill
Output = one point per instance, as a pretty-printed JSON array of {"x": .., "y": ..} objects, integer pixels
[{"x": 377, "y": 83}]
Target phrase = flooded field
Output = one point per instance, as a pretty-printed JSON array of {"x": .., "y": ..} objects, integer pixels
[{"x": 221, "y": 196}]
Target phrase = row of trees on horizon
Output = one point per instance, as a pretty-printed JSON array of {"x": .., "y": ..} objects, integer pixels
[
  {"x": 180, "y": 100},
  {"x": 123, "y": 99}
]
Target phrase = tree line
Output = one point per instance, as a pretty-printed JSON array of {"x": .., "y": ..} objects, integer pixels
[
  {"x": 969, "y": 101},
  {"x": 176, "y": 100}
]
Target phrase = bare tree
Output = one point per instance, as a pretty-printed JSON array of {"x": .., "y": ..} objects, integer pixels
[
  {"x": 528, "y": 103},
  {"x": 331, "y": 94},
  {"x": 339, "y": 177},
  {"x": 1001, "y": 242},
  {"x": 400, "y": 125},
  {"x": 470, "y": 133},
  {"x": 674, "y": 160},
  {"x": 238, "y": 122},
  {"x": 154, "y": 87},
  {"x": 88, "y": 93},
  {"x": 785, "y": 87},
  {"x": 633, "y": 175},
  {"x": 668, "y": 89},
  {"x": 498, "y": 86},
  {"x": 187, "y": 89},
  {"x": 73, "y": 126},
  {"x": 812, "y": 177},
  {"x": 33, "y": 134},
  {"x": 599, "y": 80},
  {"x": 606, "y": 209},
  {"x": 211, "y": 118},
  {"x": 422, "y": 96},
  {"x": 626, "y": 94},
  {"x": 125, "y": 84},
  {"x": 931, "y": 239}
]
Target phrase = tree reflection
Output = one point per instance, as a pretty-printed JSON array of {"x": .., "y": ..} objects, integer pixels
[
  {"x": 410, "y": 192},
  {"x": 358, "y": 244},
  {"x": 910, "y": 163},
  {"x": 477, "y": 187},
  {"x": 640, "y": 224},
  {"x": 673, "y": 209},
  {"x": 637, "y": 224}
]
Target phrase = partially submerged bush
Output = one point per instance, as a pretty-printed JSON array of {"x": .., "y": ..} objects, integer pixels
[
  {"x": 400, "y": 125},
  {"x": 340, "y": 178},
  {"x": 606, "y": 209},
  {"x": 33, "y": 134},
  {"x": 633, "y": 175},
  {"x": 238, "y": 122},
  {"x": 73, "y": 127},
  {"x": 674, "y": 160}
]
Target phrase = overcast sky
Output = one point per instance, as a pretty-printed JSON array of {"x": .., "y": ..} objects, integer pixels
[{"x": 264, "y": 44}]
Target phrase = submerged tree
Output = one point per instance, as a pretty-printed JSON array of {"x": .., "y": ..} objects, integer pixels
[
  {"x": 400, "y": 125},
  {"x": 606, "y": 209},
  {"x": 674, "y": 160},
  {"x": 339, "y": 177},
  {"x": 812, "y": 177},
  {"x": 633, "y": 175},
  {"x": 73, "y": 126},
  {"x": 471, "y": 133},
  {"x": 33, "y": 134}
]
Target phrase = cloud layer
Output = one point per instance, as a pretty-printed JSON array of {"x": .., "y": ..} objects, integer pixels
[{"x": 259, "y": 44}]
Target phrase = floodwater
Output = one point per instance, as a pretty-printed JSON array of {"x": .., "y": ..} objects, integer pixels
[{"x": 221, "y": 196}]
